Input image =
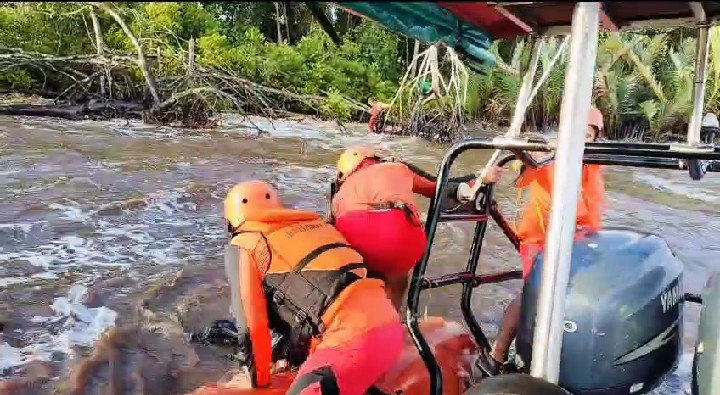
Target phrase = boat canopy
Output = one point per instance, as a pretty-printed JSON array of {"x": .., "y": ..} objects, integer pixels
[
  {"x": 471, "y": 27},
  {"x": 429, "y": 22}
]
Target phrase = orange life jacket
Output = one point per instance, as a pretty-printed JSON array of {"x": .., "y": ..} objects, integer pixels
[
  {"x": 310, "y": 264},
  {"x": 301, "y": 273},
  {"x": 536, "y": 214}
]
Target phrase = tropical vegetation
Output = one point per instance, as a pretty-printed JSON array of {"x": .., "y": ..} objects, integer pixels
[{"x": 643, "y": 82}]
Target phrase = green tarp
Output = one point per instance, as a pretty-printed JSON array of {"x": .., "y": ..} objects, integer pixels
[{"x": 428, "y": 22}]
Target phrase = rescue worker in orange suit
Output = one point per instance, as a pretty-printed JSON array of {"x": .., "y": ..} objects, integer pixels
[
  {"x": 293, "y": 267},
  {"x": 376, "y": 124},
  {"x": 532, "y": 230},
  {"x": 375, "y": 209}
]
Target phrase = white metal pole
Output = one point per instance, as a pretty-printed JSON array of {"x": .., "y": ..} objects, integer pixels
[
  {"x": 546, "y": 73},
  {"x": 701, "y": 62},
  {"x": 547, "y": 341},
  {"x": 521, "y": 105},
  {"x": 523, "y": 100}
]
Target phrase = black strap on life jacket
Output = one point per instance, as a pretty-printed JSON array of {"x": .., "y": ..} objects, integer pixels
[
  {"x": 334, "y": 187},
  {"x": 374, "y": 390},
  {"x": 323, "y": 375},
  {"x": 317, "y": 252},
  {"x": 301, "y": 297}
]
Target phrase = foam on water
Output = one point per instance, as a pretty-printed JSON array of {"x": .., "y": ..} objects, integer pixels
[
  {"x": 45, "y": 276},
  {"x": 84, "y": 325},
  {"x": 5, "y": 173},
  {"x": 35, "y": 258},
  {"x": 81, "y": 326},
  {"x": 693, "y": 192},
  {"x": 5, "y": 281},
  {"x": 326, "y": 135},
  {"x": 105, "y": 246},
  {"x": 22, "y": 226},
  {"x": 136, "y": 129},
  {"x": 677, "y": 382},
  {"x": 10, "y": 356},
  {"x": 294, "y": 182},
  {"x": 71, "y": 212}
]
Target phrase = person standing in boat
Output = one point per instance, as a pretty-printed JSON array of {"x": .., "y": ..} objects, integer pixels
[
  {"x": 290, "y": 267},
  {"x": 532, "y": 230},
  {"x": 375, "y": 209}
]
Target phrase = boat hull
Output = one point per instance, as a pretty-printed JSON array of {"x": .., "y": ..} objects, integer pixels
[{"x": 453, "y": 347}]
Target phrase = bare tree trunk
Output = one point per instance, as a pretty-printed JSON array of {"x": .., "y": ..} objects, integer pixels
[
  {"x": 278, "y": 24},
  {"x": 141, "y": 61},
  {"x": 100, "y": 46},
  {"x": 416, "y": 52},
  {"x": 434, "y": 70},
  {"x": 287, "y": 22},
  {"x": 191, "y": 56}
]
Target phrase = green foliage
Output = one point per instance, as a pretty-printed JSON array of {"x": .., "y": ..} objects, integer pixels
[
  {"x": 50, "y": 28},
  {"x": 183, "y": 20},
  {"x": 314, "y": 66},
  {"x": 18, "y": 80},
  {"x": 336, "y": 106},
  {"x": 643, "y": 81},
  {"x": 237, "y": 38}
]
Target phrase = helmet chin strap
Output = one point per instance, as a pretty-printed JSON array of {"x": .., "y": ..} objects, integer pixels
[{"x": 231, "y": 230}]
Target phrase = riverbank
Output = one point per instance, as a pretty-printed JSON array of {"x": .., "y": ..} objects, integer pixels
[{"x": 17, "y": 104}]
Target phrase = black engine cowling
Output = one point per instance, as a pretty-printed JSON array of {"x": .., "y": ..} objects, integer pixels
[{"x": 623, "y": 319}]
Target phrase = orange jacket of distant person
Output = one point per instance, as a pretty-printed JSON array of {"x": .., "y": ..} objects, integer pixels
[
  {"x": 375, "y": 209},
  {"x": 536, "y": 215},
  {"x": 591, "y": 202},
  {"x": 377, "y": 116},
  {"x": 373, "y": 183}
]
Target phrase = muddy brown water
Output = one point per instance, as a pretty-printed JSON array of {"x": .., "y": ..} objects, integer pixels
[{"x": 111, "y": 237}]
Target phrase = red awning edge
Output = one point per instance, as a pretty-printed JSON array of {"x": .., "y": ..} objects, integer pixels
[{"x": 492, "y": 18}]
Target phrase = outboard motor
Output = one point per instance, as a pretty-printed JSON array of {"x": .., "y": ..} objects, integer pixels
[{"x": 623, "y": 318}]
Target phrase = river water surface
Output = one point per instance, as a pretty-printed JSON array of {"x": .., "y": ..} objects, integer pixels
[{"x": 111, "y": 237}]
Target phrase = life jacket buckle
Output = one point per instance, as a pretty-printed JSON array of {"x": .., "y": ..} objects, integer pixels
[
  {"x": 278, "y": 297},
  {"x": 404, "y": 207},
  {"x": 395, "y": 205},
  {"x": 301, "y": 316}
]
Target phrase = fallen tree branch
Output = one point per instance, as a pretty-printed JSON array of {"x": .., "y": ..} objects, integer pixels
[
  {"x": 141, "y": 60},
  {"x": 435, "y": 112},
  {"x": 100, "y": 48},
  {"x": 191, "y": 99},
  {"x": 75, "y": 112}
]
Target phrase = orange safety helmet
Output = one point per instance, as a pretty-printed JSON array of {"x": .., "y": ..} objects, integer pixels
[
  {"x": 247, "y": 197},
  {"x": 595, "y": 118},
  {"x": 351, "y": 159}
]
